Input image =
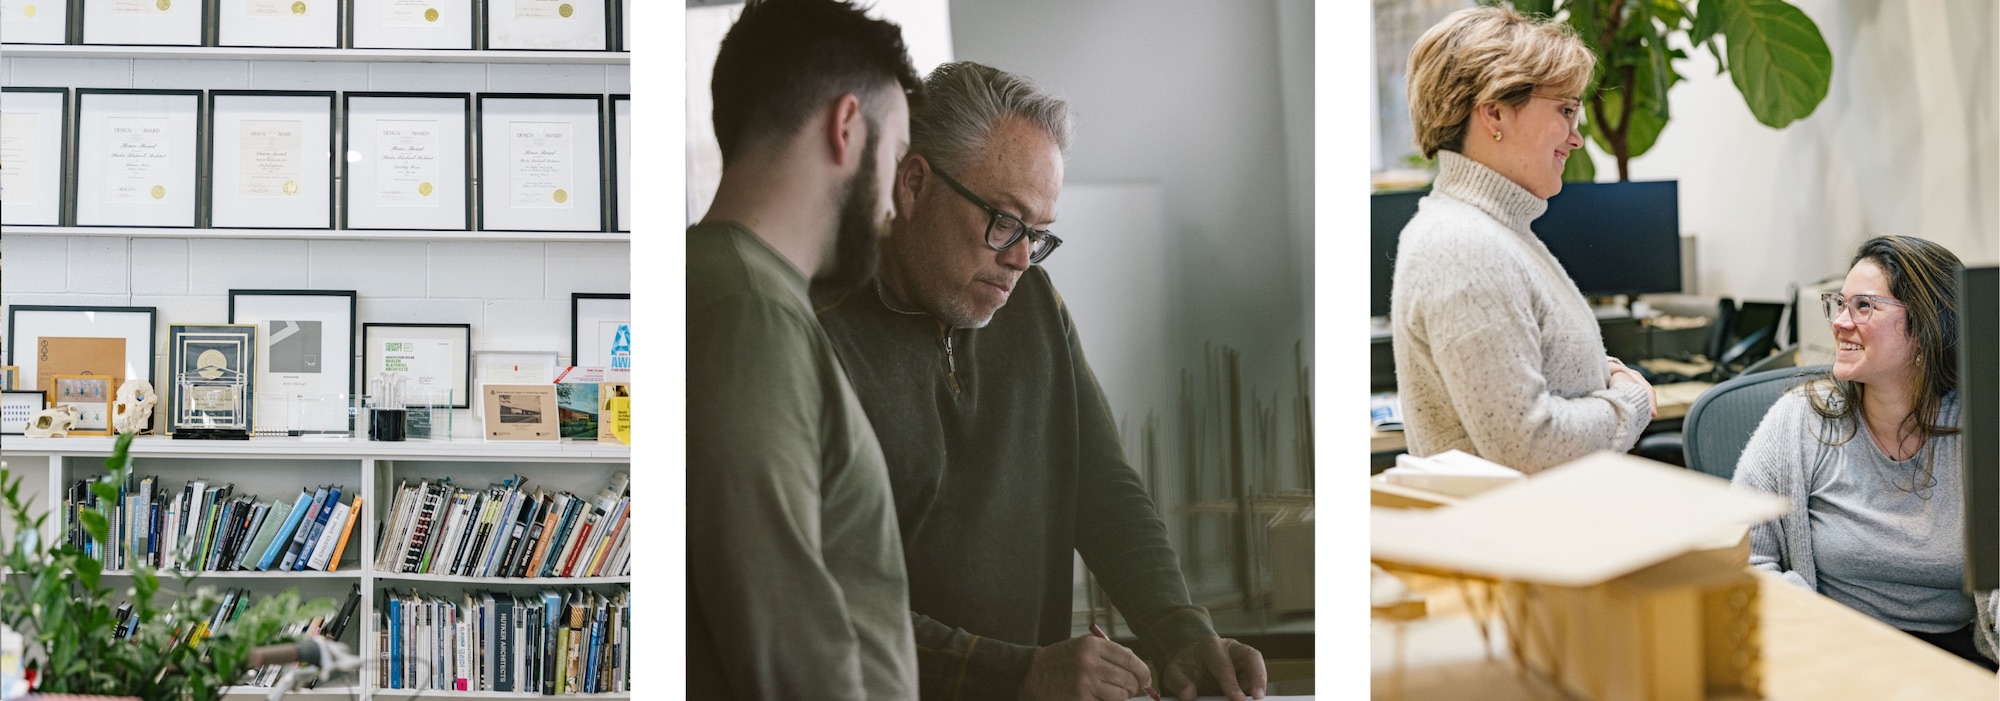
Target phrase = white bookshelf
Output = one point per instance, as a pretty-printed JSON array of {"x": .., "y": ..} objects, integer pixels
[
  {"x": 275, "y": 468},
  {"x": 233, "y": 53},
  {"x": 321, "y": 234}
]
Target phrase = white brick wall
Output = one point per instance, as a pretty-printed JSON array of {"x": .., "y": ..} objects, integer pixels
[{"x": 313, "y": 75}]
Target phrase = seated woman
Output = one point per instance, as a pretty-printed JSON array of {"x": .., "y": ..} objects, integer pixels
[
  {"x": 1869, "y": 455},
  {"x": 1497, "y": 353}
]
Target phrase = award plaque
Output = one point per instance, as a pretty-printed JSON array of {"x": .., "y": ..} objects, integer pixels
[
  {"x": 410, "y": 24},
  {"x": 212, "y": 365},
  {"x": 138, "y": 157},
  {"x": 548, "y": 25},
  {"x": 33, "y": 145},
  {"x": 541, "y": 163},
  {"x": 408, "y": 161},
  {"x": 272, "y": 156},
  {"x": 143, "y": 22},
  {"x": 278, "y": 23},
  {"x": 34, "y": 21}
]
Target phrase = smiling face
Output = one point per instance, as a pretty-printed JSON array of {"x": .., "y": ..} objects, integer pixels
[
  {"x": 936, "y": 257},
  {"x": 1881, "y": 350},
  {"x": 1536, "y": 139}
]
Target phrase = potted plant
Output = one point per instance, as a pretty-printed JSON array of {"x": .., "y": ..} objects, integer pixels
[
  {"x": 57, "y": 597},
  {"x": 1772, "y": 51}
]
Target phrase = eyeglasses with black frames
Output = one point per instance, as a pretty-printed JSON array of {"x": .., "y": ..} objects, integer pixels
[
  {"x": 1003, "y": 230},
  {"x": 1859, "y": 307}
]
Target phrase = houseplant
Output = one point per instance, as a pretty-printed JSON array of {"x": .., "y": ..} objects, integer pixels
[
  {"x": 1772, "y": 51},
  {"x": 58, "y": 597}
]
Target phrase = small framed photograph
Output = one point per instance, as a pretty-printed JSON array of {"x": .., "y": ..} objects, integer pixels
[
  {"x": 34, "y": 21},
  {"x": 138, "y": 157},
  {"x": 278, "y": 23},
  {"x": 91, "y": 396},
  {"x": 273, "y": 159},
  {"x": 144, "y": 22},
  {"x": 209, "y": 391},
  {"x": 600, "y": 330},
  {"x": 16, "y": 405},
  {"x": 548, "y": 25},
  {"x": 408, "y": 164},
  {"x": 46, "y": 341},
  {"x": 34, "y": 141},
  {"x": 409, "y": 24},
  {"x": 430, "y": 357},
  {"x": 521, "y": 413},
  {"x": 305, "y": 347},
  {"x": 494, "y": 367},
  {"x": 540, "y": 163},
  {"x": 621, "y": 162}
]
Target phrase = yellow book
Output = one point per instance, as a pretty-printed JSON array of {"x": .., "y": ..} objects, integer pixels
[{"x": 333, "y": 563}]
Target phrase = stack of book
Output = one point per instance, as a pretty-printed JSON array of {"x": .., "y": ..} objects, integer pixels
[
  {"x": 506, "y": 531},
  {"x": 332, "y": 629},
  {"x": 207, "y": 527},
  {"x": 554, "y": 642}
]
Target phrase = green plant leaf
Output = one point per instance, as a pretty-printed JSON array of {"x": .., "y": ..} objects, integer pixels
[
  {"x": 1535, "y": 8},
  {"x": 88, "y": 571},
  {"x": 1777, "y": 59},
  {"x": 1579, "y": 168},
  {"x": 94, "y": 524},
  {"x": 1707, "y": 21}
]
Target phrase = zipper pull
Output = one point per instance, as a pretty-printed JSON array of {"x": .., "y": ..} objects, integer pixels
[{"x": 950, "y": 361}]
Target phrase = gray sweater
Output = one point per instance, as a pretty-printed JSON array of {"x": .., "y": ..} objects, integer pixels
[
  {"x": 1864, "y": 530},
  {"x": 1497, "y": 353}
]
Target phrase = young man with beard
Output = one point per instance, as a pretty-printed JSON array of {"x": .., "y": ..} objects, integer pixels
[
  {"x": 1003, "y": 456},
  {"x": 796, "y": 586}
]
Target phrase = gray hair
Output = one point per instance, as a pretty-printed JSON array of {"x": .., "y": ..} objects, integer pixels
[{"x": 962, "y": 103}]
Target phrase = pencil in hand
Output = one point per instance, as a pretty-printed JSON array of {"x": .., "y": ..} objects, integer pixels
[{"x": 1099, "y": 632}]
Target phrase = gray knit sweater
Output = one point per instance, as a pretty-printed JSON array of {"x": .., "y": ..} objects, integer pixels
[
  {"x": 1497, "y": 353},
  {"x": 1787, "y": 457}
]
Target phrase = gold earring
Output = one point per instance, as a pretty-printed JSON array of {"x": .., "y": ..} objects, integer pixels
[{"x": 1496, "y": 135}]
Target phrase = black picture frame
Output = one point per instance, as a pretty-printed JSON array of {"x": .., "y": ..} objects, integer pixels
[
  {"x": 65, "y": 183},
  {"x": 213, "y": 30},
  {"x": 472, "y": 40},
  {"x": 461, "y": 400},
  {"x": 208, "y": 22},
  {"x": 610, "y": 130},
  {"x": 575, "y": 305},
  {"x": 14, "y": 337},
  {"x": 41, "y": 402},
  {"x": 333, "y": 120},
  {"x": 485, "y": 35},
  {"x": 200, "y": 155},
  {"x": 347, "y": 358},
  {"x": 471, "y": 150},
  {"x": 479, "y": 140},
  {"x": 176, "y": 333}
]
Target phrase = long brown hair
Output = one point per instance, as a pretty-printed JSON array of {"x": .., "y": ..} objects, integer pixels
[{"x": 1924, "y": 277}]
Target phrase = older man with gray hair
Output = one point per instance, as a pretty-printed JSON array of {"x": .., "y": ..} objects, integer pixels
[{"x": 1003, "y": 458}]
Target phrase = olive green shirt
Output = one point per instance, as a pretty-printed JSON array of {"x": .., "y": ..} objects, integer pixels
[
  {"x": 795, "y": 572},
  {"x": 1005, "y": 462}
]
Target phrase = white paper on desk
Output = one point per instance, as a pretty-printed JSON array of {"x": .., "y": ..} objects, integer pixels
[
  {"x": 1453, "y": 472},
  {"x": 1579, "y": 524}
]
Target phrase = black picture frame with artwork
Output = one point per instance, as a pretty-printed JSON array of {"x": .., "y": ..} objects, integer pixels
[
  {"x": 588, "y": 307},
  {"x": 374, "y": 360},
  {"x": 301, "y": 333}
]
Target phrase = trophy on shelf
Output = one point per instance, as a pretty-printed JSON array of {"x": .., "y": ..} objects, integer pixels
[{"x": 212, "y": 366}]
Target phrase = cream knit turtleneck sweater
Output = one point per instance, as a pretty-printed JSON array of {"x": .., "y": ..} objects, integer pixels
[{"x": 1497, "y": 353}]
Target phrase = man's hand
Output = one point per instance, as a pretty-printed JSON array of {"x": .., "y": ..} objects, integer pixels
[
  {"x": 1086, "y": 667},
  {"x": 1235, "y": 668}
]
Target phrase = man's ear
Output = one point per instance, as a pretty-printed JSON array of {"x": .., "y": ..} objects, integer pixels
[
  {"x": 846, "y": 131},
  {"x": 909, "y": 181}
]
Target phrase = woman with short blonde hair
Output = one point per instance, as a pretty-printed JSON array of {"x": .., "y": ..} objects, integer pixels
[{"x": 1497, "y": 353}]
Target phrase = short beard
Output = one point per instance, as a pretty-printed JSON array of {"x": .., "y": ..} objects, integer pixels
[{"x": 854, "y": 245}]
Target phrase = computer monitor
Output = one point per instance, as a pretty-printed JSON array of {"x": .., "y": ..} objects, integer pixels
[
  {"x": 1612, "y": 238},
  {"x": 1979, "y": 414}
]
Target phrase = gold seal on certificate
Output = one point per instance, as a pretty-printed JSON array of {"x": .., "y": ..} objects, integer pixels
[
  {"x": 565, "y": 10},
  {"x": 424, "y": 189},
  {"x": 406, "y": 163},
  {"x": 159, "y": 192},
  {"x": 291, "y": 187},
  {"x": 164, "y": 5},
  {"x": 271, "y": 158},
  {"x": 298, "y": 8},
  {"x": 543, "y": 164},
  {"x": 561, "y": 197},
  {"x": 431, "y": 15},
  {"x": 28, "y": 11},
  {"x": 137, "y": 157}
]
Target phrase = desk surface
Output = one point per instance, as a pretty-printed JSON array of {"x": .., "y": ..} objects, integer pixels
[
  {"x": 1814, "y": 650},
  {"x": 1674, "y": 402}
]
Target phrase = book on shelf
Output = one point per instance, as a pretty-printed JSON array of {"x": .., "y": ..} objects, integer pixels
[
  {"x": 506, "y": 529},
  {"x": 554, "y": 642},
  {"x": 203, "y": 526}
]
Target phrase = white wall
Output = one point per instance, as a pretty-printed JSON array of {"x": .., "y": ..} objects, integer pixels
[
  {"x": 516, "y": 295},
  {"x": 1211, "y": 101}
]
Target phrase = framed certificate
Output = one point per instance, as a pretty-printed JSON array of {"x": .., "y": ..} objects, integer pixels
[
  {"x": 33, "y": 143},
  {"x": 511, "y": 368},
  {"x": 600, "y": 330},
  {"x": 144, "y": 22},
  {"x": 548, "y": 25},
  {"x": 272, "y": 156},
  {"x": 305, "y": 345},
  {"x": 278, "y": 23},
  {"x": 408, "y": 164},
  {"x": 137, "y": 157},
  {"x": 430, "y": 357},
  {"x": 70, "y": 340},
  {"x": 15, "y": 408},
  {"x": 621, "y": 162},
  {"x": 34, "y": 22},
  {"x": 409, "y": 24},
  {"x": 91, "y": 396},
  {"x": 540, "y": 163},
  {"x": 209, "y": 390}
]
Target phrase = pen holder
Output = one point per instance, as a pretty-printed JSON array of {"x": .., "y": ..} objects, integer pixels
[{"x": 386, "y": 424}]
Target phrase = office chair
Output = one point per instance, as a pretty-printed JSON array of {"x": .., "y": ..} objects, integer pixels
[
  {"x": 1719, "y": 423},
  {"x": 1784, "y": 358}
]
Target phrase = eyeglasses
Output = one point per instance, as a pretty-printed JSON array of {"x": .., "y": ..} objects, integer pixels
[
  {"x": 1572, "y": 108},
  {"x": 1003, "y": 230},
  {"x": 1859, "y": 307}
]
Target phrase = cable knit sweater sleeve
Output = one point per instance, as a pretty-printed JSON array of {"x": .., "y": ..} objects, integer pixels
[{"x": 1778, "y": 460}]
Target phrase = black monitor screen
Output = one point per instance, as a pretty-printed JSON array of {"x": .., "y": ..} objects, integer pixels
[
  {"x": 1979, "y": 381},
  {"x": 1612, "y": 238}
]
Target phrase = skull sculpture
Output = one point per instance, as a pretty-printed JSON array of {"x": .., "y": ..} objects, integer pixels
[
  {"x": 133, "y": 412},
  {"x": 53, "y": 422}
]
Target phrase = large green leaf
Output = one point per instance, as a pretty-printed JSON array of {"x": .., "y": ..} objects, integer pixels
[
  {"x": 1707, "y": 21},
  {"x": 1777, "y": 59},
  {"x": 1579, "y": 168}
]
